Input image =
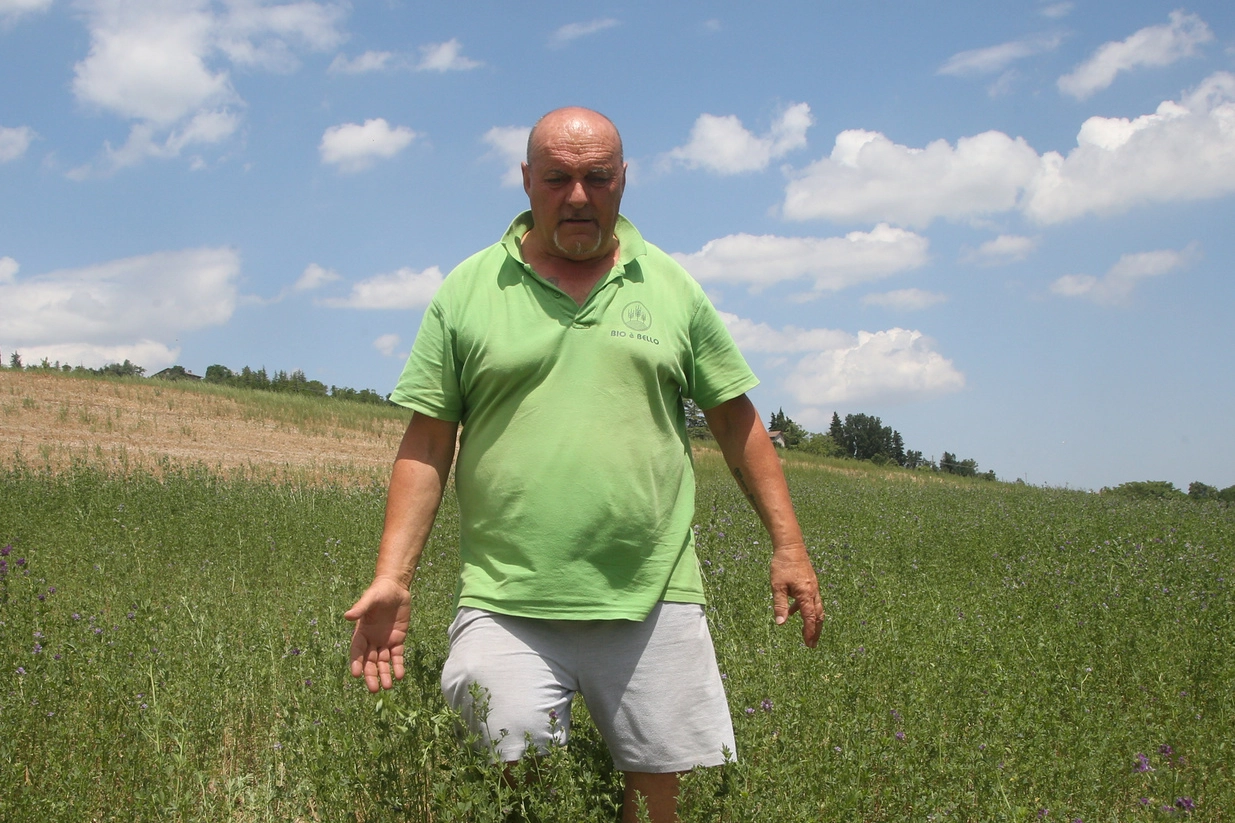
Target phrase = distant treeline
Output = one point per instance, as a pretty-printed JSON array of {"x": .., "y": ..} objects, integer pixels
[
  {"x": 1165, "y": 490},
  {"x": 289, "y": 383},
  {"x": 286, "y": 382}
]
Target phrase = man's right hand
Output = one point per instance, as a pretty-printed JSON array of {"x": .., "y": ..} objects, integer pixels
[{"x": 381, "y": 616}]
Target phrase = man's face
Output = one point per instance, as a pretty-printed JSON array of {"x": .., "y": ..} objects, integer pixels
[{"x": 574, "y": 183}]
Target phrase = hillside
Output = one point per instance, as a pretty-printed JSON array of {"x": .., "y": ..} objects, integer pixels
[{"x": 51, "y": 420}]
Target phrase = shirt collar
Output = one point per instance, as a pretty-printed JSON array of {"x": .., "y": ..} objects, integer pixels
[{"x": 630, "y": 242}]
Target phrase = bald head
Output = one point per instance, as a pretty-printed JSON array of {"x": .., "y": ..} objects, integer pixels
[{"x": 573, "y": 121}]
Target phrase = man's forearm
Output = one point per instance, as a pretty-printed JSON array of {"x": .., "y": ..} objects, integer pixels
[
  {"x": 417, "y": 483},
  {"x": 752, "y": 459}
]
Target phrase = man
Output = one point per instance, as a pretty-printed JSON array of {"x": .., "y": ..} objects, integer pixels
[{"x": 566, "y": 351}]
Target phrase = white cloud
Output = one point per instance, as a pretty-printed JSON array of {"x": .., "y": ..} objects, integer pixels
[
  {"x": 8, "y": 270},
  {"x": 1006, "y": 248},
  {"x": 402, "y": 289},
  {"x": 830, "y": 263},
  {"x": 1121, "y": 279},
  {"x": 257, "y": 34},
  {"x": 138, "y": 305},
  {"x": 314, "y": 277},
  {"x": 1184, "y": 151},
  {"x": 367, "y": 62},
  {"x": 994, "y": 59},
  {"x": 723, "y": 144},
  {"x": 14, "y": 142},
  {"x": 869, "y": 178},
  {"x": 387, "y": 344},
  {"x": 905, "y": 299},
  {"x": 1151, "y": 46},
  {"x": 10, "y": 10},
  {"x": 508, "y": 144},
  {"x": 354, "y": 147},
  {"x": 1055, "y": 11},
  {"x": 446, "y": 56},
  {"x": 164, "y": 66},
  {"x": 573, "y": 31},
  {"x": 825, "y": 367}
]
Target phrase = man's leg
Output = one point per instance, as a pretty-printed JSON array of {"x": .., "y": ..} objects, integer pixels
[{"x": 660, "y": 795}]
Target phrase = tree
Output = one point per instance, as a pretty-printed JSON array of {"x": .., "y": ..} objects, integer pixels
[
  {"x": 1201, "y": 491},
  {"x": 15, "y": 361},
  {"x": 792, "y": 432},
  {"x": 822, "y": 445}
]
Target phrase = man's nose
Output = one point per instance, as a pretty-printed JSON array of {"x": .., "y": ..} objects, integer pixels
[{"x": 577, "y": 196}]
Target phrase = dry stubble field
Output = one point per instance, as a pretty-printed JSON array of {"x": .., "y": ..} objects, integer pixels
[{"x": 53, "y": 420}]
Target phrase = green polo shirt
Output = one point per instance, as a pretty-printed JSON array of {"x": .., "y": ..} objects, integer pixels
[{"x": 574, "y": 476}]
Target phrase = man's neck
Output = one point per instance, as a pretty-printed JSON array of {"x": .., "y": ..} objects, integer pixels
[{"x": 576, "y": 278}]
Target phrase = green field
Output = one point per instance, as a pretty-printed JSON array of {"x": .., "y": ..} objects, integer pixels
[{"x": 172, "y": 648}]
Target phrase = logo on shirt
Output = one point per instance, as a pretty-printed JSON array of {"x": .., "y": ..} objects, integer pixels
[{"x": 637, "y": 317}]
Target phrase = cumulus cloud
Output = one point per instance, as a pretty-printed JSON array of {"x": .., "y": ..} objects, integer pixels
[
  {"x": 1116, "y": 286},
  {"x": 443, "y": 57},
  {"x": 387, "y": 344},
  {"x": 354, "y": 147},
  {"x": 8, "y": 270},
  {"x": 573, "y": 31},
  {"x": 1151, "y": 46},
  {"x": 869, "y": 178},
  {"x": 314, "y": 277},
  {"x": 402, "y": 289},
  {"x": 829, "y": 263},
  {"x": 508, "y": 144},
  {"x": 14, "y": 142},
  {"x": 362, "y": 64},
  {"x": 1006, "y": 248},
  {"x": 135, "y": 307},
  {"x": 1183, "y": 151},
  {"x": 904, "y": 299},
  {"x": 164, "y": 66},
  {"x": 10, "y": 10},
  {"x": 825, "y": 367},
  {"x": 994, "y": 59},
  {"x": 723, "y": 145}
]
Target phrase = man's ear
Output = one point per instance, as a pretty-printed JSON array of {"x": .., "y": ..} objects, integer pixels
[{"x": 527, "y": 178}]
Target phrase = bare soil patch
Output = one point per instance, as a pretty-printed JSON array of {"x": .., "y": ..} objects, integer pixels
[{"x": 52, "y": 421}]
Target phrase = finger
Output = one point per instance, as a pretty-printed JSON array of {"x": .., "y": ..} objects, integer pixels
[
  {"x": 372, "y": 679},
  {"x": 780, "y": 605},
  {"x": 396, "y": 663}
]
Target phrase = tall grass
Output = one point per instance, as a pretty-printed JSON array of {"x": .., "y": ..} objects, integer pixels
[{"x": 171, "y": 648}]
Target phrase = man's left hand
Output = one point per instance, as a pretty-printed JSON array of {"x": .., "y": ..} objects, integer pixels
[{"x": 795, "y": 588}]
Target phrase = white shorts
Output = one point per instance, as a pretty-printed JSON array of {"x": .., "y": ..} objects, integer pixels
[{"x": 652, "y": 687}]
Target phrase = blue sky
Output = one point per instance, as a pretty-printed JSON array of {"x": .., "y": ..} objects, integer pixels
[{"x": 997, "y": 226}]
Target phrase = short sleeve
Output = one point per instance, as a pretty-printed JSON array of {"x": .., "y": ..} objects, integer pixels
[
  {"x": 718, "y": 371},
  {"x": 430, "y": 380}
]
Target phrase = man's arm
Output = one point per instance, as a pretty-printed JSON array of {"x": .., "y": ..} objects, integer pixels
[
  {"x": 382, "y": 613},
  {"x": 752, "y": 458}
]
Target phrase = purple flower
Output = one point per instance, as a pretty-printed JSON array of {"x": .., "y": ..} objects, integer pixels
[
  {"x": 1165, "y": 750},
  {"x": 21, "y": 561},
  {"x": 4, "y": 567},
  {"x": 308, "y": 681},
  {"x": 38, "y": 648},
  {"x": 21, "y": 670},
  {"x": 749, "y": 711},
  {"x": 1043, "y": 813},
  {"x": 1185, "y": 803},
  {"x": 766, "y": 705},
  {"x": 897, "y": 716},
  {"x": 295, "y": 652},
  {"x": 5, "y": 551},
  {"x": 900, "y": 736},
  {"x": 1142, "y": 763}
]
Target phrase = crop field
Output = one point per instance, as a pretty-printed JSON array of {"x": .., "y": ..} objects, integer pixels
[{"x": 172, "y": 648}]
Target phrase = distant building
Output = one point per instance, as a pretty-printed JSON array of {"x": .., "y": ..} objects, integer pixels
[
  {"x": 175, "y": 373},
  {"x": 777, "y": 437}
]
